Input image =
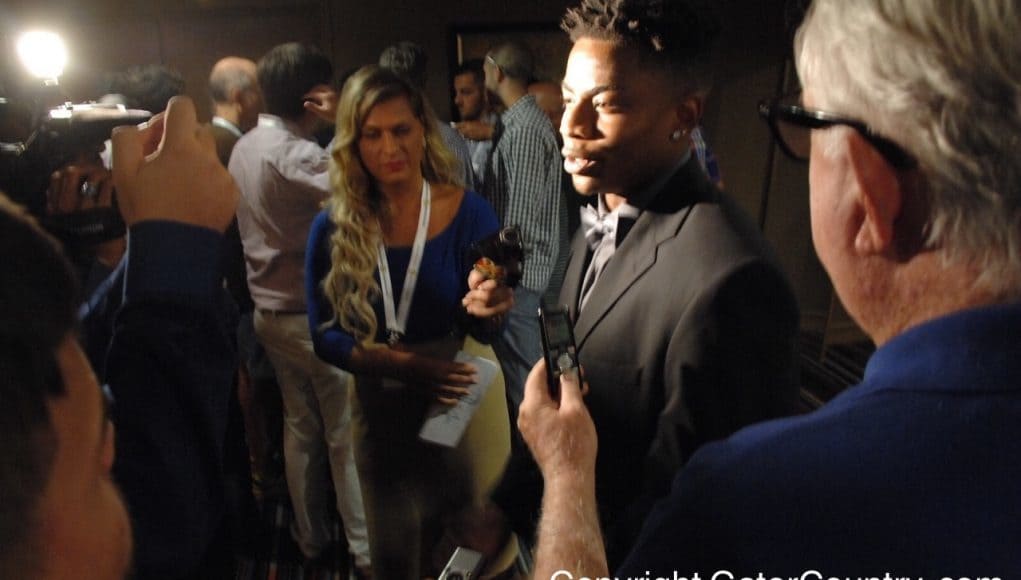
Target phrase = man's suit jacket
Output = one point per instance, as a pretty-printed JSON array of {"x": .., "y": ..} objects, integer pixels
[
  {"x": 233, "y": 257},
  {"x": 688, "y": 335},
  {"x": 225, "y": 141}
]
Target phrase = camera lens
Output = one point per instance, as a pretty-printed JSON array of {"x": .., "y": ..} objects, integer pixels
[{"x": 510, "y": 235}]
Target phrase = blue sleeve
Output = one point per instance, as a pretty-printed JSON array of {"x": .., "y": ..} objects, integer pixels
[
  {"x": 482, "y": 223},
  {"x": 482, "y": 216},
  {"x": 331, "y": 344},
  {"x": 170, "y": 367},
  {"x": 169, "y": 260},
  {"x": 97, "y": 316}
]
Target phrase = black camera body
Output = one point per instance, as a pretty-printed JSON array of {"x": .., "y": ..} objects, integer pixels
[
  {"x": 500, "y": 256},
  {"x": 57, "y": 137}
]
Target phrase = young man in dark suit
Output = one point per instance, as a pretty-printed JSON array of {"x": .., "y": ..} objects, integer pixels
[{"x": 684, "y": 324}]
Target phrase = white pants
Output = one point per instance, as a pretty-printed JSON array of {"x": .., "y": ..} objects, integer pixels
[{"x": 317, "y": 436}]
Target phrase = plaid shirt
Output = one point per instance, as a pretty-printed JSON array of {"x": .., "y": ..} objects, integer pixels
[{"x": 522, "y": 181}]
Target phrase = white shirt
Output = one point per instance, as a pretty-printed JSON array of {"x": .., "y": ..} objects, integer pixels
[{"x": 283, "y": 176}]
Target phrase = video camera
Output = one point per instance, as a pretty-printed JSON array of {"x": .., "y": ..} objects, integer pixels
[
  {"x": 500, "y": 256},
  {"x": 57, "y": 137}
]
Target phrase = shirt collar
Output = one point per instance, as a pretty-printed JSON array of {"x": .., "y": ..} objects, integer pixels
[
  {"x": 519, "y": 109},
  {"x": 225, "y": 124},
  {"x": 267, "y": 120},
  {"x": 975, "y": 348}
]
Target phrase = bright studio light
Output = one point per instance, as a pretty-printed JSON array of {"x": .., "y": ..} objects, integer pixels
[{"x": 43, "y": 54}]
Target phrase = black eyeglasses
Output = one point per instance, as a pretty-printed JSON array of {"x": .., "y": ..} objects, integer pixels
[{"x": 792, "y": 128}]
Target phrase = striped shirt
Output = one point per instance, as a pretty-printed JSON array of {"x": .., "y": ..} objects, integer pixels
[
  {"x": 459, "y": 147},
  {"x": 522, "y": 181}
]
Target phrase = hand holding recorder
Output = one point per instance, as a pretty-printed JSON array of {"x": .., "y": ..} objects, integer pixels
[{"x": 560, "y": 435}]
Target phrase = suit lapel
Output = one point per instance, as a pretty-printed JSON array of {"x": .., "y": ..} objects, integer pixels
[
  {"x": 577, "y": 261},
  {"x": 658, "y": 223}
]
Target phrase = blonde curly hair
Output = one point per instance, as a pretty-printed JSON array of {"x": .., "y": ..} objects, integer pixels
[{"x": 356, "y": 206}]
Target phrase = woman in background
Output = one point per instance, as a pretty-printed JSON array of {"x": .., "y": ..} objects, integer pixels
[{"x": 392, "y": 298}]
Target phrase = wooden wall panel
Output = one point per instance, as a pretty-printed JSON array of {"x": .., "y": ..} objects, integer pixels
[
  {"x": 97, "y": 45},
  {"x": 362, "y": 29},
  {"x": 193, "y": 42}
]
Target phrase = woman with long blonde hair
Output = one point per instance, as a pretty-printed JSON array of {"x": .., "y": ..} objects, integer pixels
[{"x": 392, "y": 298}]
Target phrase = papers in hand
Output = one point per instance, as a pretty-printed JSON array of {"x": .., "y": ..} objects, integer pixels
[{"x": 444, "y": 424}]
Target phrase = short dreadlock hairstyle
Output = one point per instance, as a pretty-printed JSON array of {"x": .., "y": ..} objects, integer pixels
[{"x": 673, "y": 36}]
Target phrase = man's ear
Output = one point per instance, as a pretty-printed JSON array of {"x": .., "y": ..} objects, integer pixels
[
  {"x": 248, "y": 98},
  {"x": 235, "y": 96},
  {"x": 879, "y": 195}
]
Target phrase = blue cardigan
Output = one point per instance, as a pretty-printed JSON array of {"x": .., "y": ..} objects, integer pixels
[{"x": 442, "y": 280}]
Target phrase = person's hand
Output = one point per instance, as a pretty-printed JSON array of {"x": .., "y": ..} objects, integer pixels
[
  {"x": 487, "y": 298},
  {"x": 321, "y": 101},
  {"x": 180, "y": 179},
  {"x": 561, "y": 436},
  {"x": 449, "y": 380},
  {"x": 80, "y": 185},
  {"x": 475, "y": 130}
]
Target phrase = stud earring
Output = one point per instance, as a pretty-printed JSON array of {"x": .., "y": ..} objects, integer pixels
[{"x": 676, "y": 135}]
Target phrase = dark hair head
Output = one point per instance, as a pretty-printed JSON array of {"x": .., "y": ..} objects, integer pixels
[
  {"x": 515, "y": 60},
  {"x": 473, "y": 67},
  {"x": 287, "y": 72},
  {"x": 406, "y": 58},
  {"x": 37, "y": 311},
  {"x": 673, "y": 36},
  {"x": 147, "y": 86}
]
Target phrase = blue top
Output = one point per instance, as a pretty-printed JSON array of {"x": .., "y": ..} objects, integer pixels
[
  {"x": 442, "y": 280},
  {"x": 916, "y": 471}
]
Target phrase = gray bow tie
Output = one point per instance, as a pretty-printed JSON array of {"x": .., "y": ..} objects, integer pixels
[{"x": 597, "y": 227}]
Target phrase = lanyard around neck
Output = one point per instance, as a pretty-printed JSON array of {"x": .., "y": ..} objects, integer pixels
[{"x": 397, "y": 323}]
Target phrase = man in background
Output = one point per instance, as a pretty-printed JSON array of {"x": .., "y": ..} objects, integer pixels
[
  {"x": 146, "y": 86},
  {"x": 476, "y": 115},
  {"x": 283, "y": 177},
  {"x": 550, "y": 99},
  {"x": 237, "y": 102},
  {"x": 523, "y": 184}
]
